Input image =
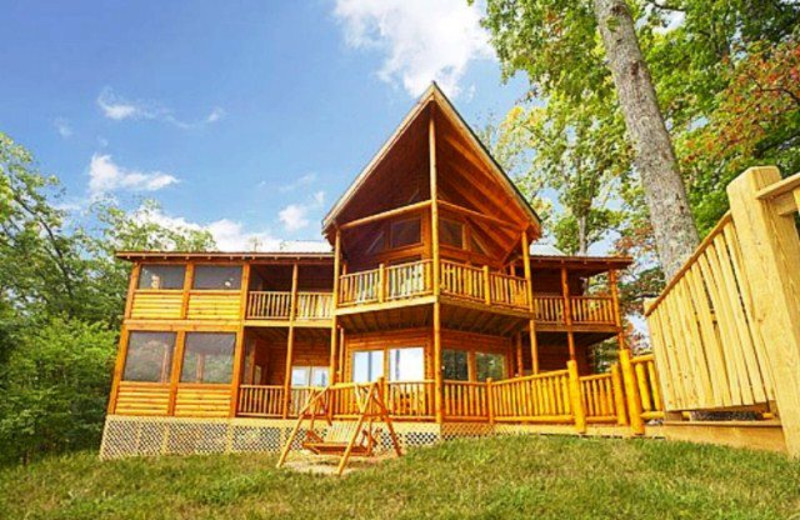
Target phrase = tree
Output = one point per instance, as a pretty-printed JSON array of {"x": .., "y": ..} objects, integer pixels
[
  {"x": 556, "y": 43},
  {"x": 577, "y": 150}
]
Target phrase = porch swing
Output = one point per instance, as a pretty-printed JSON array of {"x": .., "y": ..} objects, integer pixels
[{"x": 363, "y": 404}]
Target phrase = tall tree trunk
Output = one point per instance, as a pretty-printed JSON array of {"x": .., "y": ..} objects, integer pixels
[
  {"x": 673, "y": 226},
  {"x": 583, "y": 247}
]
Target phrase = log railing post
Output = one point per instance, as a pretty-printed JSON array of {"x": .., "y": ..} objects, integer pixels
[
  {"x": 490, "y": 400},
  {"x": 631, "y": 392},
  {"x": 381, "y": 283},
  {"x": 487, "y": 287},
  {"x": 771, "y": 262},
  {"x": 575, "y": 397},
  {"x": 619, "y": 395}
]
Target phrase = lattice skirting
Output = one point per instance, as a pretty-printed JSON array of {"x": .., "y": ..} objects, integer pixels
[{"x": 125, "y": 436}]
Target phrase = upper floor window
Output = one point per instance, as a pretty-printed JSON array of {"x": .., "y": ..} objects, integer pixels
[
  {"x": 221, "y": 277},
  {"x": 451, "y": 233},
  {"x": 405, "y": 233},
  {"x": 208, "y": 357},
  {"x": 149, "y": 357},
  {"x": 161, "y": 276}
]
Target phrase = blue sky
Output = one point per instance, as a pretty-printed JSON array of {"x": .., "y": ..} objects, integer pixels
[{"x": 247, "y": 118}]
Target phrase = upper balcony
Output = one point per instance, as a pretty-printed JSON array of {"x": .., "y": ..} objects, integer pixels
[
  {"x": 277, "y": 305},
  {"x": 375, "y": 288}
]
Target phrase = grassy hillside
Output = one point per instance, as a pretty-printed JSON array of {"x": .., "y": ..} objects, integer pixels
[{"x": 520, "y": 477}]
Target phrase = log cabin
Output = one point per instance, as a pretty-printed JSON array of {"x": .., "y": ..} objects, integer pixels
[{"x": 429, "y": 285}]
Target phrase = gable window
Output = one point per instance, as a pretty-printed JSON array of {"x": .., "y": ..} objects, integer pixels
[
  {"x": 377, "y": 245},
  {"x": 149, "y": 357},
  {"x": 405, "y": 233},
  {"x": 406, "y": 364},
  {"x": 161, "y": 276},
  {"x": 208, "y": 358},
  {"x": 475, "y": 244},
  {"x": 219, "y": 277},
  {"x": 455, "y": 364},
  {"x": 490, "y": 365},
  {"x": 367, "y": 365},
  {"x": 451, "y": 233}
]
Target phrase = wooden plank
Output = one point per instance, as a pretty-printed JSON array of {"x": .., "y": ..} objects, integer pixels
[{"x": 771, "y": 260}]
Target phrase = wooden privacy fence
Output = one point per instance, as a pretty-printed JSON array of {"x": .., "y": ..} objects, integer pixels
[{"x": 726, "y": 329}]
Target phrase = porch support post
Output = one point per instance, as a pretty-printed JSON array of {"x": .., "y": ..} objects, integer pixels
[
  {"x": 238, "y": 353},
  {"x": 287, "y": 382},
  {"x": 518, "y": 348},
  {"x": 526, "y": 259},
  {"x": 337, "y": 249},
  {"x": 613, "y": 281},
  {"x": 437, "y": 311},
  {"x": 567, "y": 313}
]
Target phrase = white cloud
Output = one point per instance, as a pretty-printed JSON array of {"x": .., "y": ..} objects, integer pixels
[
  {"x": 423, "y": 40},
  {"x": 303, "y": 181},
  {"x": 106, "y": 176},
  {"x": 118, "y": 108},
  {"x": 62, "y": 127},
  {"x": 296, "y": 216},
  {"x": 229, "y": 235}
]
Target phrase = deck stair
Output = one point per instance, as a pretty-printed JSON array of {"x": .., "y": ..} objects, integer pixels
[{"x": 362, "y": 404}]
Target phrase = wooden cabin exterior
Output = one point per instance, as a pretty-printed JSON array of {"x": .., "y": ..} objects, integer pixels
[{"x": 429, "y": 284}]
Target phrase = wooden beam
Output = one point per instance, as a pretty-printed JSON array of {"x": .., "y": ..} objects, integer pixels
[
  {"x": 772, "y": 263},
  {"x": 337, "y": 250},
  {"x": 526, "y": 259},
  {"x": 386, "y": 214},
  {"x": 466, "y": 211},
  {"x": 238, "y": 353},
  {"x": 287, "y": 382}
]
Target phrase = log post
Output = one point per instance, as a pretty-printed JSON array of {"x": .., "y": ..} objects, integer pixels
[
  {"x": 490, "y": 400},
  {"x": 238, "y": 353},
  {"x": 437, "y": 312},
  {"x": 337, "y": 251},
  {"x": 526, "y": 259},
  {"x": 619, "y": 395},
  {"x": 631, "y": 392},
  {"x": 567, "y": 312},
  {"x": 772, "y": 264},
  {"x": 487, "y": 288},
  {"x": 287, "y": 381},
  {"x": 575, "y": 397}
]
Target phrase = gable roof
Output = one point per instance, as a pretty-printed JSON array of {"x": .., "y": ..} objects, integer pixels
[{"x": 433, "y": 95}]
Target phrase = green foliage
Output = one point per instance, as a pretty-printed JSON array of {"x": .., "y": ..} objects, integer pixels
[
  {"x": 55, "y": 385},
  {"x": 61, "y": 301},
  {"x": 508, "y": 477}
]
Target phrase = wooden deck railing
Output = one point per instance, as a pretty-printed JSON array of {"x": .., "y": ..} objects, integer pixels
[
  {"x": 592, "y": 309},
  {"x": 644, "y": 368},
  {"x": 408, "y": 280},
  {"x": 463, "y": 281},
  {"x": 511, "y": 291},
  {"x": 277, "y": 305},
  {"x": 601, "y": 397},
  {"x": 314, "y": 305},
  {"x": 260, "y": 401},
  {"x": 410, "y": 399},
  {"x": 269, "y": 305},
  {"x": 465, "y": 400},
  {"x": 538, "y": 398},
  {"x": 548, "y": 308}
]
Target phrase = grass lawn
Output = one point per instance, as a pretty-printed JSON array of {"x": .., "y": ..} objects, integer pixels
[{"x": 512, "y": 477}]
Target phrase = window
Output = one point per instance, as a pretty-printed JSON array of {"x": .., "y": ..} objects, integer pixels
[
  {"x": 406, "y": 364},
  {"x": 405, "y": 233},
  {"x": 456, "y": 365},
  {"x": 309, "y": 376},
  {"x": 490, "y": 365},
  {"x": 161, "y": 276},
  {"x": 221, "y": 277},
  {"x": 378, "y": 244},
  {"x": 208, "y": 358},
  {"x": 451, "y": 233},
  {"x": 367, "y": 365},
  {"x": 475, "y": 243},
  {"x": 149, "y": 357}
]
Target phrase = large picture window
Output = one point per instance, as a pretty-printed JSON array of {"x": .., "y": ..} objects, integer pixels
[
  {"x": 367, "y": 365},
  {"x": 451, "y": 233},
  {"x": 220, "y": 277},
  {"x": 208, "y": 358},
  {"x": 159, "y": 276},
  {"x": 406, "y": 364},
  {"x": 490, "y": 365},
  {"x": 149, "y": 357},
  {"x": 405, "y": 233},
  {"x": 455, "y": 364}
]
